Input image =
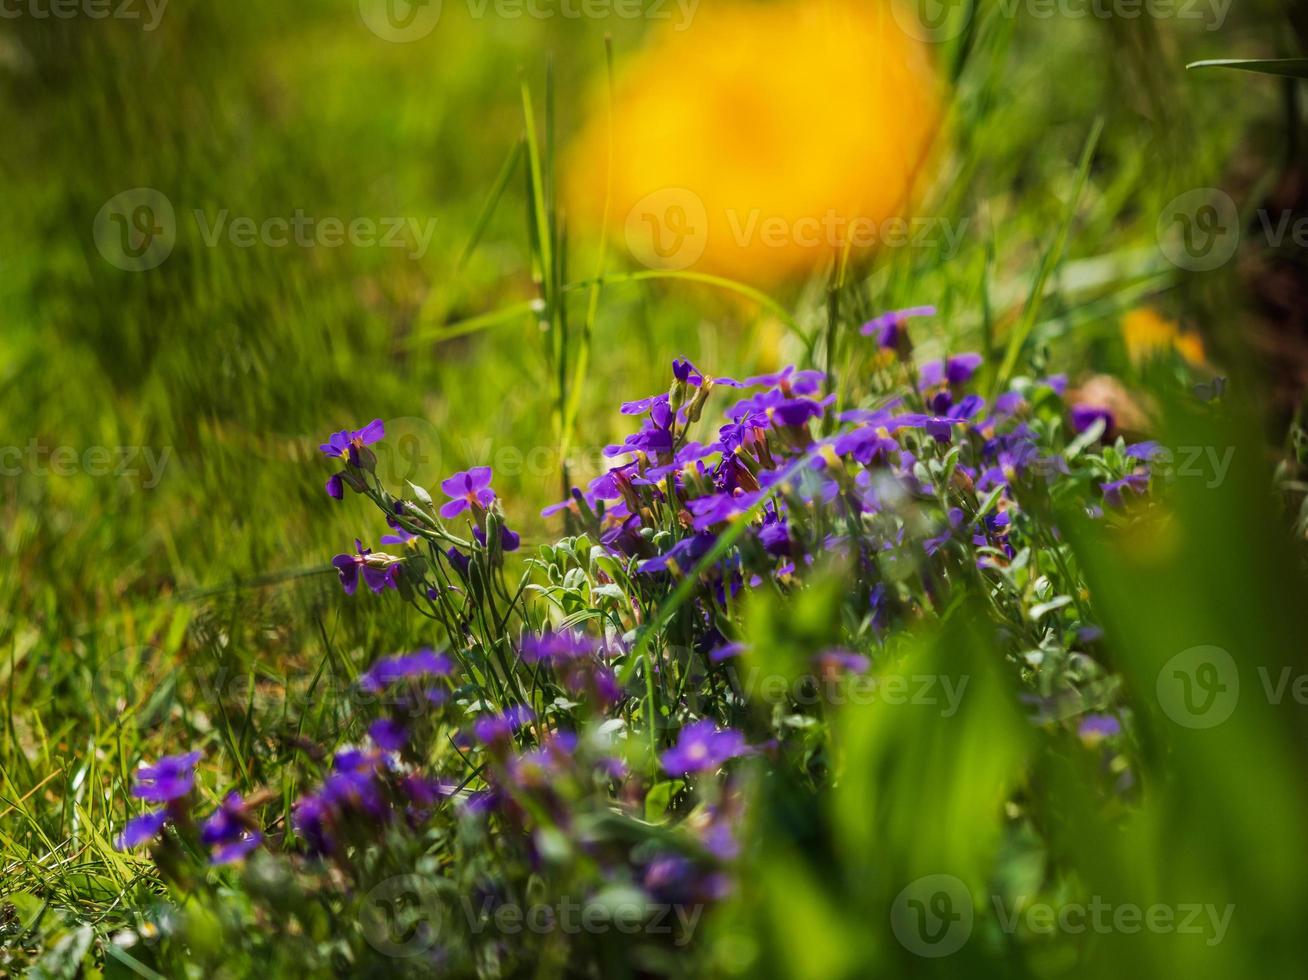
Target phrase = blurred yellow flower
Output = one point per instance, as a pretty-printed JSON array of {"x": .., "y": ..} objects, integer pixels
[
  {"x": 761, "y": 139},
  {"x": 1148, "y": 334}
]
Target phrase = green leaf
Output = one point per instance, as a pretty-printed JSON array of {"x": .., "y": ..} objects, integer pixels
[{"x": 1286, "y": 67}]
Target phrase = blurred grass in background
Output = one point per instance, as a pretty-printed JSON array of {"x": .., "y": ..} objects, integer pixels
[{"x": 118, "y": 601}]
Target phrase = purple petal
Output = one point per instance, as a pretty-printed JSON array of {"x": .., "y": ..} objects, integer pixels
[
  {"x": 454, "y": 507},
  {"x": 141, "y": 829}
]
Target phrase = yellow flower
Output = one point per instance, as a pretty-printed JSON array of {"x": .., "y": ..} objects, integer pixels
[
  {"x": 759, "y": 140},
  {"x": 1148, "y": 334}
]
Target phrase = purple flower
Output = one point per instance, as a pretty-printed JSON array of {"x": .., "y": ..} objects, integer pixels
[
  {"x": 774, "y": 535},
  {"x": 1084, "y": 416},
  {"x": 1093, "y": 728},
  {"x": 836, "y": 660},
  {"x": 401, "y": 537},
  {"x": 347, "y": 443},
  {"x": 421, "y": 663},
  {"x": 1137, "y": 483},
  {"x": 702, "y": 747},
  {"x": 380, "y": 571},
  {"x": 686, "y": 372},
  {"x": 796, "y": 411},
  {"x": 725, "y": 652},
  {"x": 681, "y": 557},
  {"x": 458, "y": 559},
  {"x": 1145, "y": 451},
  {"x": 171, "y": 778},
  {"x": 509, "y": 540},
  {"x": 335, "y": 486},
  {"x": 471, "y": 488},
  {"x": 954, "y": 370},
  {"x": 389, "y": 734},
  {"x": 556, "y": 648},
  {"x": 230, "y": 831},
  {"x": 888, "y": 327},
  {"x": 141, "y": 829},
  {"x": 498, "y": 729}
]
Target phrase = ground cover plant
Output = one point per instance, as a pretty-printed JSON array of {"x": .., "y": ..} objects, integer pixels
[{"x": 561, "y": 593}]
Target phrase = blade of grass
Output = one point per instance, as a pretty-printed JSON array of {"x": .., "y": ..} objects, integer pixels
[{"x": 1051, "y": 258}]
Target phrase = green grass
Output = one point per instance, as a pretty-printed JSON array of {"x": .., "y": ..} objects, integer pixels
[{"x": 123, "y": 608}]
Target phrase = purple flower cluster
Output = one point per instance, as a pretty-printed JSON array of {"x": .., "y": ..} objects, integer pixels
[{"x": 231, "y": 832}]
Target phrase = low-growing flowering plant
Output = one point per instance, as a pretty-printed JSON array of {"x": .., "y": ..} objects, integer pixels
[{"x": 593, "y": 723}]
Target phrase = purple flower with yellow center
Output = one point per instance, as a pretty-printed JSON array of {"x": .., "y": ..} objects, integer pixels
[
  {"x": 347, "y": 443},
  {"x": 171, "y": 778},
  {"x": 867, "y": 444},
  {"x": 888, "y": 328},
  {"x": 231, "y": 831},
  {"x": 380, "y": 571},
  {"x": 401, "y": 537},
  {"x": 468, "y": 489},
  {"x": 703, "y": 747},
  {"x": 421, "y": 663}
]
